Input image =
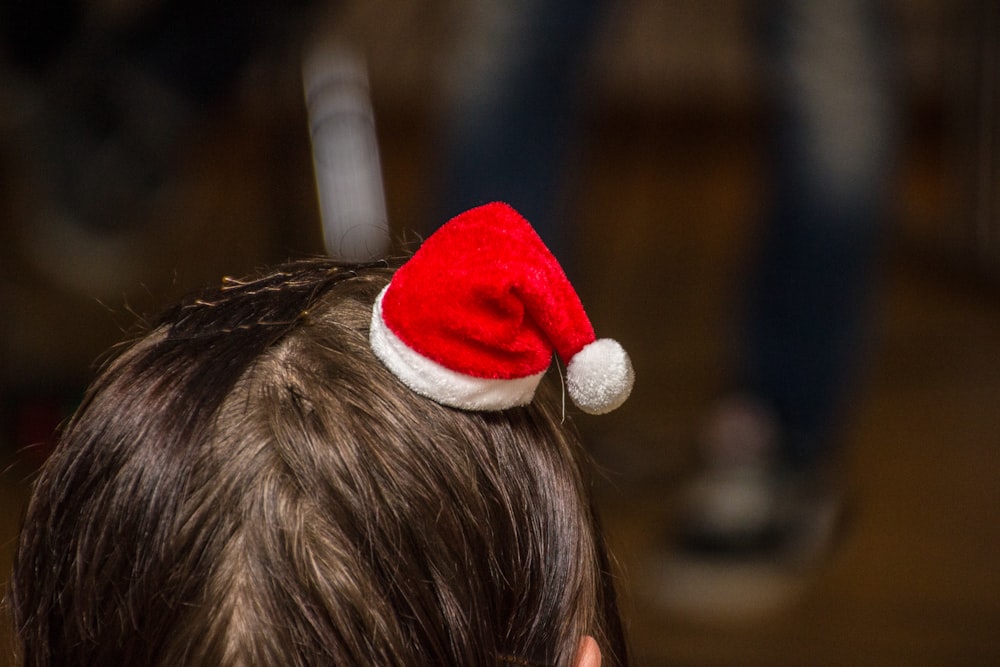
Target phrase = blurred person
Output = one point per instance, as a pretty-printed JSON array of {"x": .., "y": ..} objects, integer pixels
[
  {"x": 333, "y": 464},
  {"x": 828, "y": 88},
  {"x": 763, "y": 494}
]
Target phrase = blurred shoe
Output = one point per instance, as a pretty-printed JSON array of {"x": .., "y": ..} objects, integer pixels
[{"x": 750, "y": 532}]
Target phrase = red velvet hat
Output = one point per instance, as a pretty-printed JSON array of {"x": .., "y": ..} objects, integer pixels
[{"x": 473, "y": 318}]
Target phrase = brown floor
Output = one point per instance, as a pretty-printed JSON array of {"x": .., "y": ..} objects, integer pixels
[{"x": 664, "y": 218}]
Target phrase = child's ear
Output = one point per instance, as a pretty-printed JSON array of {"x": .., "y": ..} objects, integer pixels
[{"x": 589, "y": 653}]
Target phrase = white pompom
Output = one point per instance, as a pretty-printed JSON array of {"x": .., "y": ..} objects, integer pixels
[{"x": 600, "y": 376}]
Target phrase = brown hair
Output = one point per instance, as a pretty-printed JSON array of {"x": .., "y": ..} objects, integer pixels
[{"x": 248, "y": 485}]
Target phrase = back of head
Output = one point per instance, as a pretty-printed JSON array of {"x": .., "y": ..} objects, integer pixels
[{"x": 248, "y": 485}]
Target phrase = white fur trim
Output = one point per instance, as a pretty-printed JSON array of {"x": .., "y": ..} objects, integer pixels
[
  {"x": 429, "y": 378},
  {"x": 600, "y": 377}
]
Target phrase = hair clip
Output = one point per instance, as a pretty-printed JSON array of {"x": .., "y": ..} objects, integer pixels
[{"x": 473, "y": 318}]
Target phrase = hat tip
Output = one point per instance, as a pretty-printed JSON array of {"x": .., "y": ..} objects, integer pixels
[{"x": 600, "y": 376}]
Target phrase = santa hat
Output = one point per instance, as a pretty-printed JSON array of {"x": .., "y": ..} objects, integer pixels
[{"x": 473, "y": 318}]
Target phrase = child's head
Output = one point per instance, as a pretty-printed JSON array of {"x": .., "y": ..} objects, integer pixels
[{"x": 250, "y": 485}]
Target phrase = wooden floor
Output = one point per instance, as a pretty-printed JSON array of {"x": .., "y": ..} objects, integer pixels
[{"x": 665, "y": 219}]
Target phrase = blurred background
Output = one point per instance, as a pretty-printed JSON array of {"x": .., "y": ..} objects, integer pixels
[{"x": 149, "y": 147}]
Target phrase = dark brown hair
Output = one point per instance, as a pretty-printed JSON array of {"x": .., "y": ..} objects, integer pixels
[{"x": 248, "y": 485}]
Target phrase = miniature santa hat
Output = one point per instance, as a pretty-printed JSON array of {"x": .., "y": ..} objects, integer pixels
[{"x": 473, "y": 318}]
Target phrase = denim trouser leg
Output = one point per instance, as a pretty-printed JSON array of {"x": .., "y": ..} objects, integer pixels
[
  {"x": 831, "y": 144},
  {"x": 515, "y": 107}
]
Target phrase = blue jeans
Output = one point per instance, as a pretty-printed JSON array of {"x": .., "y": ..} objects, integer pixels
[
  {"x": 829, "y": 83},
  {"x": 515, "y": 109},
  {"x": 828, "y": 88}
]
